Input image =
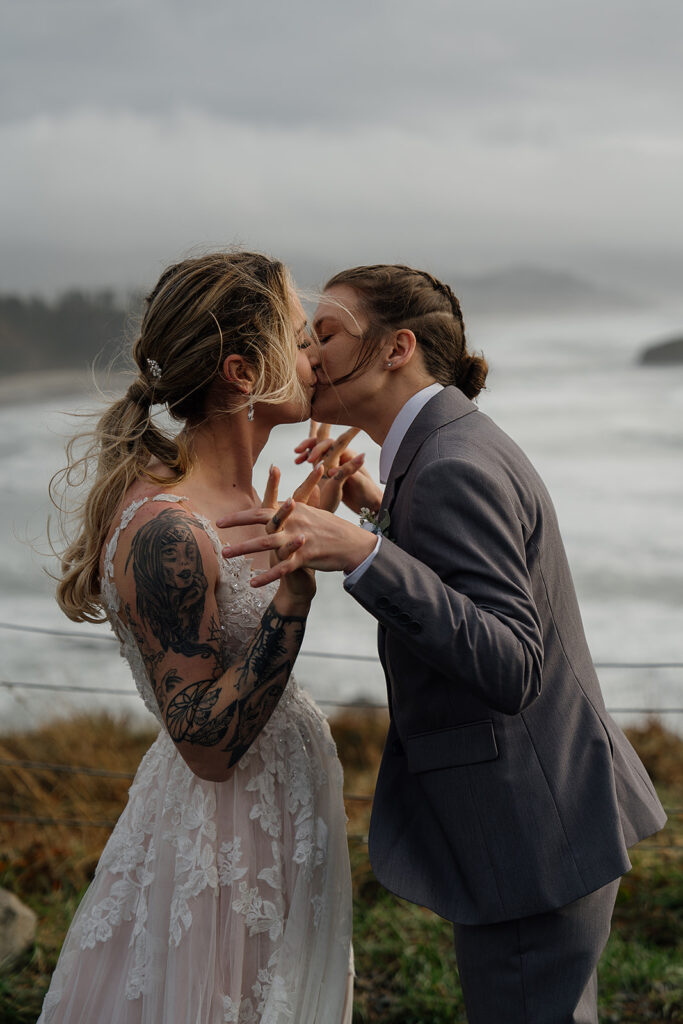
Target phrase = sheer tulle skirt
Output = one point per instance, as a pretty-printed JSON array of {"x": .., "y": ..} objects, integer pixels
[{"x": 216, "y": 903}]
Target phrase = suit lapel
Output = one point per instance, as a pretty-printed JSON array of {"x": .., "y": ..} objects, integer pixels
[{"x": 446, "y": 406}]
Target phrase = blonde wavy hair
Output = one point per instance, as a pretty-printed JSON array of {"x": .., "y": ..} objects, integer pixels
[{"x": 201, "y": 310}]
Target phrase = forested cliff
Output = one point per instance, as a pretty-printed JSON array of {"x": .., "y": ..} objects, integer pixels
[{"x": 72, "y": 331}]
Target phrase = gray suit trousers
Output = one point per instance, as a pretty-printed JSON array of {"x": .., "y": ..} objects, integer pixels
[{"x": 536, "y": 970}]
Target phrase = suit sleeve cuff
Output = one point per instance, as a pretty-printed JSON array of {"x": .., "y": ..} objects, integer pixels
[{"x": 355, "y": 574}]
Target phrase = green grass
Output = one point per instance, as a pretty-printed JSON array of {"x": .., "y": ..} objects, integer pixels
[
  {"x": 641, "y": 972},
  {"x": 405, "y": 964},
  {"x": 22, "y": 991}
]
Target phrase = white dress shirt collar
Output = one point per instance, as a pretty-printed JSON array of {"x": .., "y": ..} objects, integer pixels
[{"x": 399, "y": 428}]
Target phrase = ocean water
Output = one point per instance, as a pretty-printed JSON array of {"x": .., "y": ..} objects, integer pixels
[{"x": 605, "y": 433}]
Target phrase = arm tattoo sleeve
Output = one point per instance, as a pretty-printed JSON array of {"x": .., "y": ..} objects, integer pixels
[
  {"x": 259, "y": 684},
  {"x": 170, "y": 582},
  {"x": 171, "y": 588}
]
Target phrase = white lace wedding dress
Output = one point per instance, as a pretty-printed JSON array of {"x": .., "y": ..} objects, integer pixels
[{"x": 217, "y": 903}]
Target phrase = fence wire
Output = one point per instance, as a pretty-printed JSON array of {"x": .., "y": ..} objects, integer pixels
[
  {"x": 103, "y": 773},
  {"x": 643, "y": 847},
  {"x": 110, "y": 691},
  {"x": 111, "y": 639},
  {"x": 70, "y": 769},
  {"x": 330, "y": 702},
  {"x": 38, "y": 766}
]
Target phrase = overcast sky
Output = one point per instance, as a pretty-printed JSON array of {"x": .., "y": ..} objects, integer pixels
[{"x": 462, "y": 137}]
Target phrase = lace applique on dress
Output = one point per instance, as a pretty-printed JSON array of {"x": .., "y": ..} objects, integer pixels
[{"x": 234, "y": 895}]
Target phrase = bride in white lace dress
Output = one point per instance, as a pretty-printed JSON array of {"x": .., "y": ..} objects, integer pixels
[{"x": 223, "y": 893}]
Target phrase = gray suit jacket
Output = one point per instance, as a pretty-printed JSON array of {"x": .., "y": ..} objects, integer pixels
[{"x": 505, "y": 788}]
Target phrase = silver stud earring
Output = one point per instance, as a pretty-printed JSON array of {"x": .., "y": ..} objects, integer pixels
[
  {"x": 250, "y": 413},
  {"x": 388, "y": 364}
]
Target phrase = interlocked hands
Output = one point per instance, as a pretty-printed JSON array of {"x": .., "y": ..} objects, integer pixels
[
  {"x": 302, "y": 533},
  {"x": 357, "y": 490}
]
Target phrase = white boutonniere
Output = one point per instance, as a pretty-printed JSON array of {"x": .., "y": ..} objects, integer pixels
[{"x": 372, "y": 521}]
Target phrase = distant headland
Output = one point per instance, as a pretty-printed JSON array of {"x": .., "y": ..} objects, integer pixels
[
  {"x": 663, "y": 353},
  {"x": 72, "y": 332},
  {"x": 81, "y": 327}
]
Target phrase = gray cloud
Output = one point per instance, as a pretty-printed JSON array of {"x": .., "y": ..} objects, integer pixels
[
  {"x": 467, "y": 135},
  {"x": 303, "y": 63}
]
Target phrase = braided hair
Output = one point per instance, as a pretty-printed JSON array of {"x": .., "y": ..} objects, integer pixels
[{"x": 395, "y": 296}]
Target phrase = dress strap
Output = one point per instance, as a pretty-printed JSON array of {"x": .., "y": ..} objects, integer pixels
[{"x": 130, "y": 510}]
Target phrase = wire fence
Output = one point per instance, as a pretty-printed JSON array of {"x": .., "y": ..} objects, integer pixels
[
  {"x": 109, "y": 638},
  {"x": 102, "y": 773},
  {"x": 366, "y": 798},
  {"x": 325, "y": 702}
]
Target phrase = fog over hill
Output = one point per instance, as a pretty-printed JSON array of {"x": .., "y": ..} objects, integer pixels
[
  {"x": 81, "y": 326},
  {"x": 531, "y": 290},
  {"x": 515, "y": 289}
]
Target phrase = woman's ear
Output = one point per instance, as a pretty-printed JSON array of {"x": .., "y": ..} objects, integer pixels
[
  {"x": 237, "y": 372},
  {"x": 401, "y": 348}
]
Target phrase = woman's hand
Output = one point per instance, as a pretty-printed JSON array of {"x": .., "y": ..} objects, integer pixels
[
  {"x": 359, "y": 490},
  {"x": 338, "y": 466},
  {"x": 320, "y": 446},
  {"x": 356, "y": 489},
  {"x": 303, "y": 536},
  {"x": 298, "y": 588}
]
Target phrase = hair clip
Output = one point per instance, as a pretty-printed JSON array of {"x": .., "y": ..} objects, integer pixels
[{"x": 153, "y": 369}]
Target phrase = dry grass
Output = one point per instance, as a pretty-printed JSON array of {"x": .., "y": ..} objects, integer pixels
[
  {"x": 359, "y": 736},
  {"x": 661, "y": 752},
  {"x": 406, "y": 971},
  {"x": 43, "y": 857}
]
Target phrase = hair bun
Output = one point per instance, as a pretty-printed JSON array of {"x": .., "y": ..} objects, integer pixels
[{"x": 471, "y": 376}]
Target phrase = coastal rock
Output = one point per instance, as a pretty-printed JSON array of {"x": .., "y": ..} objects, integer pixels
[
  {"x": 663, "y": 353},
  {"x": 17, "y": 930}
]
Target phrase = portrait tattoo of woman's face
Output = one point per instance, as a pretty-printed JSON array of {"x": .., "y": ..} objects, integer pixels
[{"x": 170, "y": 581}]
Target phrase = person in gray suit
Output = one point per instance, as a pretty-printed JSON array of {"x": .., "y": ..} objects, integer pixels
[{"x": 507, "y": 798}]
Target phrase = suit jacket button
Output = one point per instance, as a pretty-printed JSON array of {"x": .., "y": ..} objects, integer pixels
[
  {"x": 383, "y": 602},
  {"x": 394, "y": 609},
  {"x": 414, "y": 627},
  {"x": 404, "y": 618}
]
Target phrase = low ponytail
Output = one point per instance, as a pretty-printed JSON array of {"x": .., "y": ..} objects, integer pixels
[
  {"x": 120, "y": 448},
  {"x": 200, "y": 310}
]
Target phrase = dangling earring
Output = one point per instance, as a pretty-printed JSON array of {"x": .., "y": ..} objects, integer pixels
[{"x": 250, "y": 413}]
